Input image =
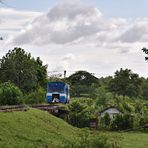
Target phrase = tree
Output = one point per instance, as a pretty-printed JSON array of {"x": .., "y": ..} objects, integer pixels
[
  {"x": 10, "y": 94},
  {"x": 126, "y": 83},
  {"x": 146, "y": 52},
  {"x": 122, "y": 122},
  {"x": 24, "y": 71},
  {"x": 35, "y": 97},
  {"x": 80, "y": 112},
  {"x": 81, "y": 82},
  {"x": 101, "y": 95}
]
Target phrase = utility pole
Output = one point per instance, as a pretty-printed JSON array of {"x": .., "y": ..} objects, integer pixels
[{"x": 64, "y": 73}]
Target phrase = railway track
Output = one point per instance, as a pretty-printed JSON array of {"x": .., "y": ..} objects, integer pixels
[
  {"x": 53, "y": 109},
  {"x": 13, "y": 108}
]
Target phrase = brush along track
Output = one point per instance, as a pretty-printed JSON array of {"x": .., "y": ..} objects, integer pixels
[{"x": 54, "y": 109}]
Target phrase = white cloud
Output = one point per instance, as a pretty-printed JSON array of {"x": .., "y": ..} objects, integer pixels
[
  {"x": 64, "y": 23},
  {"x": 73, "y": 36},
  {"x": 136, "y": 32},
  {"x": 14, "y": 20}
]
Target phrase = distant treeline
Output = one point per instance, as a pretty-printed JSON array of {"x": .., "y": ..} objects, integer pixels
[{"x": 28, "y": 76}]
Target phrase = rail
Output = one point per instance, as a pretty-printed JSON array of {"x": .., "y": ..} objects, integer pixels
[{"x": 53, "y": 109}]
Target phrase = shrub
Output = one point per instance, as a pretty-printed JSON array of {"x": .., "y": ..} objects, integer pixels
[
  {"x": 35, "y": 97},
  {"x": 80, "y": 113},
  {"x": 105, "y": 121},
  {"x": 87, "y": 140},
  {"x": 122, "y": 122},
  {"x": 10, "y": 94}
]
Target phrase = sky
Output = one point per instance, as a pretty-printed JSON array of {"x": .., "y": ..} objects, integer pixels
[{"x": 93, "y": 35}]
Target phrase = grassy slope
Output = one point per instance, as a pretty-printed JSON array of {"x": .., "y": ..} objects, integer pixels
[
  {"x": 129, "y": 139},
  {"x": 36, "y": 128},
  {"x": 33, "y": 128}
]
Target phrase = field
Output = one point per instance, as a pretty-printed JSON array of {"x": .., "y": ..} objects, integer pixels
[
  {"x": 35, "y": 128},
  {"x": 130, "y": 139},
  {"x": 135, "y": 140}
]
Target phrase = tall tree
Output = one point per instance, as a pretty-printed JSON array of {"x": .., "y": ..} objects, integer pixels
[
  {"x": 81, "y": 82},
  {"x": 24, "y": 71},
  {"x": 126, "y": 83}
]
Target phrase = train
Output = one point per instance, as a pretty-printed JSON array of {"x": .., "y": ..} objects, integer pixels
[{"x": 58, "y": 92}]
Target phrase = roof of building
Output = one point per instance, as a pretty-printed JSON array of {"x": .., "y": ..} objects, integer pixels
[{"x": 110, "y": 108}]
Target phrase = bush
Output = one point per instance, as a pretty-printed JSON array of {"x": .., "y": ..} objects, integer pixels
[
  {"x": 101, "y": 95},
  {"x": 122, "y": 122},
  {"x": 87, "y": 140},
  {"x": 80, "y": 113},
  {"x": 10, "y": 94},
  {"x": 143, "y": 120},
  {"x": 35, "y": 97},
  {"x": 105, "y": 121}
]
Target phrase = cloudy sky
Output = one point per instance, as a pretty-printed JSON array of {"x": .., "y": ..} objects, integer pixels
[{"x": 93, "y": 35}]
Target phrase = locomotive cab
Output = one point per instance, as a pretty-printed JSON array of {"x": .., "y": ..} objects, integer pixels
[{"x": 57, "y": 92}]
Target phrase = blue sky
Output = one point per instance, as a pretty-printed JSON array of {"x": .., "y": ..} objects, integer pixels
[
  {"x": 99, "y": 36},
  {"x": 110, "y": 8}
]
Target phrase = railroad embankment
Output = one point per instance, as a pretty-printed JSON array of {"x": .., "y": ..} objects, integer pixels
[{"x": 33, "y": 128}]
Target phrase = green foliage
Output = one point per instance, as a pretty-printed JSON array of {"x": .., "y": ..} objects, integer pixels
[
  {"x": 143, "y": 119},
  {"x": 80, "y": 112},
  {"x": 36, "y": 97},
  {"x": 106, "y": 120},
  {"x": 126, "y": 83},
  {"x": 40, "y": 129},
  {"x": 23, "y": 70},
  {"x": 81, "y": 83},
  {"x": 105, "y": 81},
  {"x": 10, "y": 94},
  {"x": 101, "y": 95},
  {"x": 122, "y": 122},
  {"x": 145, "y": 89},
  {"x": 86, "y": 140}
]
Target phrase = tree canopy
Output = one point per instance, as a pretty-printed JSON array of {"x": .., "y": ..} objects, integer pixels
[
  {"x": 126, "y": 83},
  {"x": 82, "y": 82},
  {"x": 21, "y": 69}
]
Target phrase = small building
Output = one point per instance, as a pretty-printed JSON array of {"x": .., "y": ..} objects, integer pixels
[{"x": 112, "y": 111}]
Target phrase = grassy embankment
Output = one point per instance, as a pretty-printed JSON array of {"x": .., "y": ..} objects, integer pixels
[
  {"x": 36, "y": 128},
  {"x": 33, "y": 128}
]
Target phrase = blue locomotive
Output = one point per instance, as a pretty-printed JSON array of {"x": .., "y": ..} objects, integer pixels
[{"x": 57, "y": 92}]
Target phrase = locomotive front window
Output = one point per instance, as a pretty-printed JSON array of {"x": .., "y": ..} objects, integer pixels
[{"x": 56, "y": 88}]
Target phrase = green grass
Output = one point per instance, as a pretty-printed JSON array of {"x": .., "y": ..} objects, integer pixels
[
  {"x": 134, "y": 140},
  {"x": 129, "y": 139},
  {"x": 36, "y": 129},
  {"x": 33, "y": 128}
]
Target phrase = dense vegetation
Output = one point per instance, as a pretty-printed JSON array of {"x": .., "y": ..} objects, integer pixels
[
  {"x": 35, "y": 128},
  {"x": 30, "y": 76},
  {"x": 24, "y": 71},
  {"x": 23, "y": 81},
  {"x": 10, "y": 94}
]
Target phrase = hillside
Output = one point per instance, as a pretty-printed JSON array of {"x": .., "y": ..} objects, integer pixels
[
  {"x": 33, "y": 128},
  {"x": 39, "y": 129}
]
